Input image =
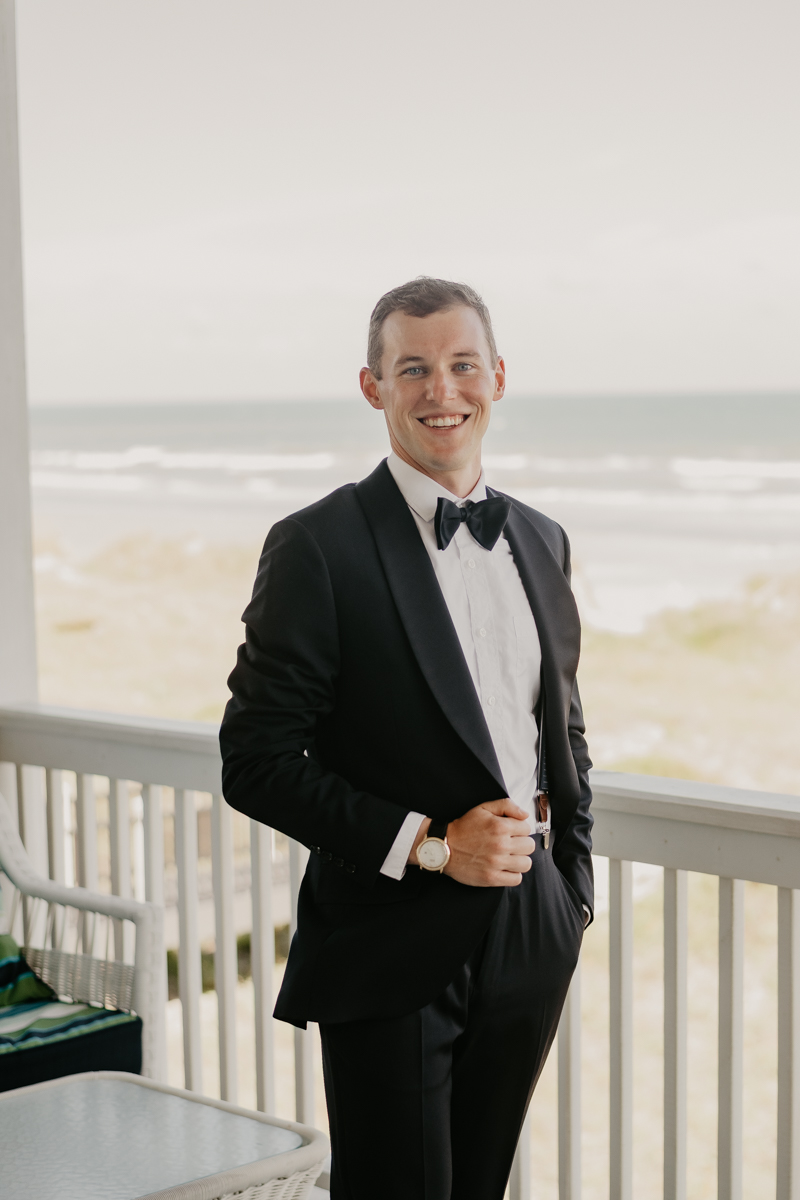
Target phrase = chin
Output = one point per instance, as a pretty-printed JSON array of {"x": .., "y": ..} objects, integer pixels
[{"x": 443, "y": 458}]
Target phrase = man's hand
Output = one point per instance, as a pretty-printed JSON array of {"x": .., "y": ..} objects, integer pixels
[{"x": 490, "y": 846}]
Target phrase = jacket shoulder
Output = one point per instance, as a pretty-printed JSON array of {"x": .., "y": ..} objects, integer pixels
[
  {"x": 545, "y": 526},
  {"x": 324, "y": 518}
]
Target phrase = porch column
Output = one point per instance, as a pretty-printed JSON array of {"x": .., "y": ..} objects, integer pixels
[{"x": 17, "y": 628}]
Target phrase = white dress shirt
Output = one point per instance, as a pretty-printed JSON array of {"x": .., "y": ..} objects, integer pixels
[{"x": 495, "y": 626}]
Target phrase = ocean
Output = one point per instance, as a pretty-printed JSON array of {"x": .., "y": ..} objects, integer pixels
[{"x": 668, "y": 501}]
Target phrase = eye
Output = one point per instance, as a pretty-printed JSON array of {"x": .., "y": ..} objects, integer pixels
[
  {"x": 413, "y": 371},
  {"x": 464, "y": 367}
]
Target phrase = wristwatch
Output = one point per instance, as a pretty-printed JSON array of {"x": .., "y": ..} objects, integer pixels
[{"x": 433, "y": 852}]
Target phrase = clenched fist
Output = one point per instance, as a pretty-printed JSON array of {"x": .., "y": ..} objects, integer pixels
[{"x": 490, "y": 846}]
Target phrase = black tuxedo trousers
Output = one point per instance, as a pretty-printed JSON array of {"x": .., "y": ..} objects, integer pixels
[{"x": 429, "y": 1105}]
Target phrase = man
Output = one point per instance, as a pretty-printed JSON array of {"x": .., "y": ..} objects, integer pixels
[{"x": 408, "y": 670}]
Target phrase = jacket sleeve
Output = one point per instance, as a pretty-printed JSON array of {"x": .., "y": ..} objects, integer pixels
[
  {"x": 283, "y": 684},
  {"x": 572, "y": 852}
]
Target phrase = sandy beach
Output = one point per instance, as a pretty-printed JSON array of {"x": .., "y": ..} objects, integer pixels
[{"x": 148, "y": 626}]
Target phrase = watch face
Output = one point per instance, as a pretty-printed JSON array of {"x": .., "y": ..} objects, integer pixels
[{"x": 432, "y": 854}]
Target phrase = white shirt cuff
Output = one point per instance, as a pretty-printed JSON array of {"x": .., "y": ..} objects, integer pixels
[{"x": 396, "y": 860}]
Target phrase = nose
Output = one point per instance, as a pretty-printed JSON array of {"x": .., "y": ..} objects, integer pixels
[{"x": 441, "y": 387}]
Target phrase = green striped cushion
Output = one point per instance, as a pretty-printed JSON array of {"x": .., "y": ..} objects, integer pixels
[
  {"x": 18, "y": 984},
  {"x": 26, "y": 1026}
]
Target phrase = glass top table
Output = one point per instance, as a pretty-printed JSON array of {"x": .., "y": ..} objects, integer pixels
[{"x": 109, "y": 1136}]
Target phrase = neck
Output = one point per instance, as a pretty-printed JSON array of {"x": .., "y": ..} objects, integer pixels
[{"x": 459, "y": 481}]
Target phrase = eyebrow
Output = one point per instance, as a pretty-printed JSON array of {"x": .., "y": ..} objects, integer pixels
[{"x": 417, "y": 358}]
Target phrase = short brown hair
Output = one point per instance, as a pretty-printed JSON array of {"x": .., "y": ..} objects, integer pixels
[{"x": 419, "y": 298}]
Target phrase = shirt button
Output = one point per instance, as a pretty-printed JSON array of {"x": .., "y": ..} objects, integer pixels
[
  {"x": 491, "y": 701},
  {"x": 471, "y": 562},
  {"x": 482, "y": 632}
]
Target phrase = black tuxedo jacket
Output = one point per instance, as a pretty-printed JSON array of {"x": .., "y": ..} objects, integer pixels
[{"x": 352, "y": 705}]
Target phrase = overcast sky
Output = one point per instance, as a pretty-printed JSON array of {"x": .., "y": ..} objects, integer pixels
[{"x": 215, "y": 194}]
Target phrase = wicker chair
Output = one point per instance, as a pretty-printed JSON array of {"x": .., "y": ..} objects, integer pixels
[{"x": 61, "y": 928}]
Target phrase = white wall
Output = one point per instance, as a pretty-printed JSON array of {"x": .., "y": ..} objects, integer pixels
[{"x": 17, "y": 636}]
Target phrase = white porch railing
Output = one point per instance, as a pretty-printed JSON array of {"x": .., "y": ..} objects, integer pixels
[{"x": 678, "y": 825}]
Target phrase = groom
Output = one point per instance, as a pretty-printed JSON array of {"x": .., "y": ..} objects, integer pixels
[{"x": 405, "y": 705}]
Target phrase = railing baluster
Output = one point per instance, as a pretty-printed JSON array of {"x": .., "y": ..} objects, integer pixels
[
  {"x": 731, "y": 983},
  {"x": 225, "y": 958},
  {"x": 189, "y": 967},
  {"x": 788, "y": 1182},
  {"x": 621, "y": 1031},
  {"x": 87, "y": 832},
  {"x": 22, "y": 825},
  {"x": 56, "y": 834},
  {"x": 519, "y": 1183},
  {"x": 153, "y": 837},
  {"x": 569, "y": 1093},
  {"x": 153, "y": 822},
  {"x": 56, "y": 846},
  {"x": 86, "y": 837},
  {"x": 21, "y": 814},
  {"x": 32, "y": 824},
  {"x": 303, "y": 1038},
  {"x": 119, "y": 821},
  {"x": 262, "y": 962},
  {"x": 675, "y": 1027}
]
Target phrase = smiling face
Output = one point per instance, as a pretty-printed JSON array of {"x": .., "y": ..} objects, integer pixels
[{"x": 437, "y": 387}]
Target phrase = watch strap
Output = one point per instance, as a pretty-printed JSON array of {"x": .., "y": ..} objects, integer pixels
[{"x": 437, "y": 829}]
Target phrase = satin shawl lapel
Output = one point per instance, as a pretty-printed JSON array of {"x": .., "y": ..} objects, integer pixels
[
  {"x": 425, "y": 615},
  {"x": 551, "y": 600}
]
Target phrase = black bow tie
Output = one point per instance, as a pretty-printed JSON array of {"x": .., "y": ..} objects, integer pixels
[{"x": 485, "y": 520}]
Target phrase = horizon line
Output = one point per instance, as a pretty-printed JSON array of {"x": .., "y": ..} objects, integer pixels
[{"x": 750, "y": 393}]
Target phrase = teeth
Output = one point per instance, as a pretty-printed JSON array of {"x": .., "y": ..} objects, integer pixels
[{"x": 442, "y": 422}]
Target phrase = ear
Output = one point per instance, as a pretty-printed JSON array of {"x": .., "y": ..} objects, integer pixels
[
  {"x": 370, "y": 387},
  {"x": 500, "y": 379}
]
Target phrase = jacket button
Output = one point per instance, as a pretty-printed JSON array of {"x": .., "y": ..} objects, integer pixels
[
  {"x": 314, "y": 849},
  {"x": 326, "y": 855},
  {"x": 338, "y": 862},
  {"x": 350, "y": 868}
]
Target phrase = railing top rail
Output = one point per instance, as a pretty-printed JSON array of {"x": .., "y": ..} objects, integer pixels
[
  {"x": 148, "y": 749},
  {"x": 200, "y": 736},
  {"x": 697, "y": 803}
]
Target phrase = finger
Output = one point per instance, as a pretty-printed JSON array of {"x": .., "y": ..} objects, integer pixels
[
  {"x": 517, "y": 862},
  {"x": 496, "y": 806},
  {"x": 514, "y": 810},
  {"x": 502, "y": 879},
  {"x": 506, "y": 808},
  {"x": 510, "y": 843},
  {"x": 522, "y": 830}
]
